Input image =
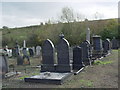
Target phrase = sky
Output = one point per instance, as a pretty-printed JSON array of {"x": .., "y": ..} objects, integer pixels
[{"x": 20, "y": 13}]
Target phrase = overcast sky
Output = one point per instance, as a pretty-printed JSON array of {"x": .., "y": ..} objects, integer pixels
[{"x": 18, "y": 13}]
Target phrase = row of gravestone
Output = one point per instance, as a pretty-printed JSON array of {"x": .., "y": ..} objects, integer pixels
[
  {"x": 82, "y": 54},
  {"x": 32, "y": 51}
]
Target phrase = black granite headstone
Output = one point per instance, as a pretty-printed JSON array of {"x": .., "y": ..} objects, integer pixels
[
  {"x": 48, "y": 54},
  {"x": 97, "y": 46},
  {"x": 31, "y": 52},
  {"x": 63, "y": 56},
  {"x": 115, "y": 43},
  {"x": 106, "y": 46},
  {"x": 77, "y": 58},
  {"x": 86, "y": 53}
]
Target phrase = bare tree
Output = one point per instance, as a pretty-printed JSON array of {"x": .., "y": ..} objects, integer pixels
[
  {"x": 98, "y": 15},
  {"x": 67, "y": 15},
  {"x": 80, "y": 17}
]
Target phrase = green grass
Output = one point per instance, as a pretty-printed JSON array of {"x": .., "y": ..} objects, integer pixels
[
  {"x": 98, "y": 62},
  {"x": 21, "y": 78},
  {"x": 87, "y": 83}
]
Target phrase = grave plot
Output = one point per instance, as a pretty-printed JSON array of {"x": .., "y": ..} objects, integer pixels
[{"x": 51, "y": 72}]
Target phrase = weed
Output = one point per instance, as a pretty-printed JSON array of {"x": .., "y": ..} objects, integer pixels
[
  {"x": 98, "y": 62},
  {"x": 86, "y": 83},
  {"x": 21, "y": 78}
]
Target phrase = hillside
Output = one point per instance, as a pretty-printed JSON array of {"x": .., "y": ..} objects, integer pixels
[{"x": 74, "y": 32}]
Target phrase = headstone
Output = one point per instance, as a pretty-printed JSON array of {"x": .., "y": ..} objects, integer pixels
[
  {"x": 88, "y": 34},
  {"x": 20, "y": 60},
  {"x": 97, "y": 43},
  {"x": 106, "y": 46},
  {"x": 25, "y": 57},
  {"x": 48, "y": 56},
  {"x": 17, "y": 47},
  {"x": 24, "y": 44},
  {"x": 38, "y": 50},
  {"x": 97, "y": 46},
  {"x": 77, "y": 58},
  {"x": 86, "y": 52},
  {"x": 33, "y": 48},
  {"x": 115, "y": 43},
  {"x": 31, "y": 52},
  {"x": 13, "y": 52},
  {"x": 63, "y": 56},
  {"x": 4, "y": 65}
]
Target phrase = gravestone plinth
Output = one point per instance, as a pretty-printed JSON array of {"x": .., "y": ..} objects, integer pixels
[
  {"x": 48, "y": 56},
  {"x": 77, "y": 58},
  {"x": 63, "y": 56},
  {"x": 49, "y": 78}
]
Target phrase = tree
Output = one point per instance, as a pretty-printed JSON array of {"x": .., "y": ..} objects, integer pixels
[
  {"x": 67, "y": 15},
  {"x": 80, "y": 17},
  {"x": 5, "y": 27}
]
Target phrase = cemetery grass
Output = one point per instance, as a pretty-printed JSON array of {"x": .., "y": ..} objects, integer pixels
[{"x": 102, "y": 75}]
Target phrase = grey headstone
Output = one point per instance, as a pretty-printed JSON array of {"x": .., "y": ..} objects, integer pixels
[
  {"x": 33, "y": 48},
  {"x": 17, "y": 49},
  {"x": 24, "y": 44},
  {"x": 115, "y": 43},
  {"x": 97, "y": 46},
  {"x": 20, "y": 60},
  {"x": 48, "y": 56},
  {"x": 77, "y": 58},
  {"x": 88, "y": 34},
  {"x": 13, "y": 52},
  {"x": 86, "y": 52},
  {"x": 63, "y": 56},
  {"x": 106, "y": 46},
  {"x": 97, "y": 43},
  {"x": 31, "y": 53},
  {"x": 25, "y": 56},
  {"x": 38, "y": 50},
  {"x": 4, "y": 64}
]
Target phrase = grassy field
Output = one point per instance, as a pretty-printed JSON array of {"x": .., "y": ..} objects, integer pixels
[
  {"x": 102, "y": 74},
  {"x": 74, "y": 32}
]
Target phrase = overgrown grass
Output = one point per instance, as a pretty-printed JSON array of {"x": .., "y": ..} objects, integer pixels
[{"x": 98, "y": 62}]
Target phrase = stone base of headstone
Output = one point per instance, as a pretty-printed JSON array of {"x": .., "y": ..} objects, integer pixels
[
  {"x": 64, "y": 68},
  {"x": 49, "y": 68},
  {"x": 97, "y": 54},
  {"x": 77, "y": 66},
  {"x": 50, "y": 78},
  {"x": 86, "y": 61},
  {"x": 10, "y": 74}
]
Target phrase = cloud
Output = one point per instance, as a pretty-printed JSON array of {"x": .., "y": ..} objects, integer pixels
[
  {"x": 13, "y": 21},
  {"x": 30, "y": 13}
]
